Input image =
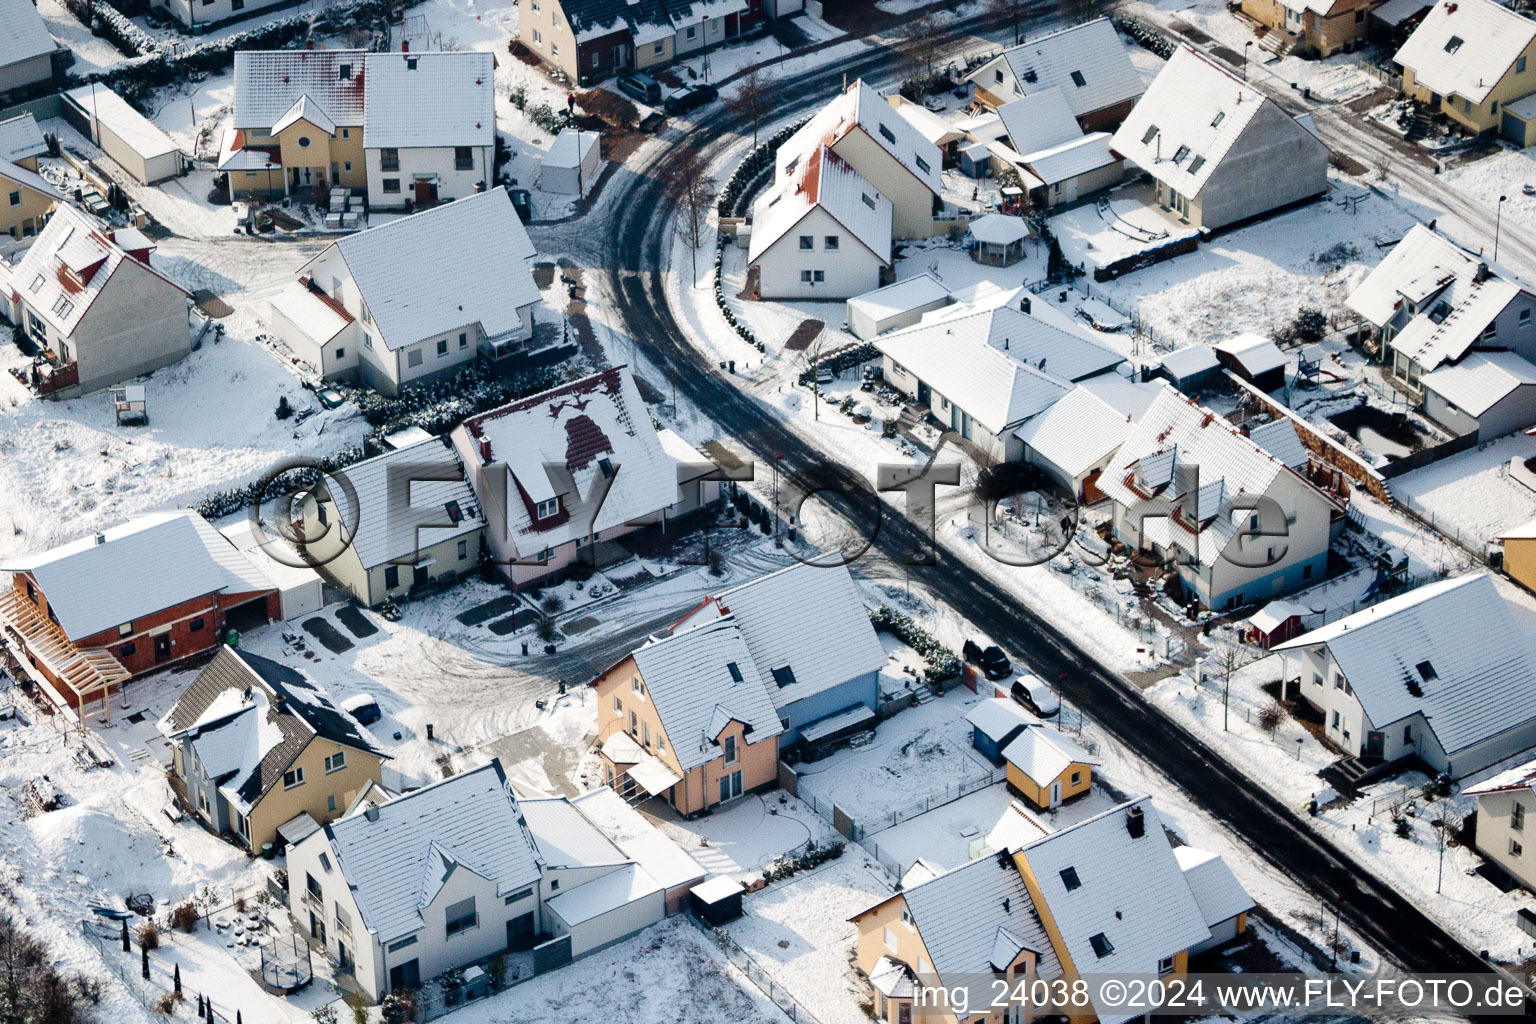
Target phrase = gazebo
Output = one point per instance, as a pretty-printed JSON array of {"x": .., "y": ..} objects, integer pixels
[{"x": 997, "y": 239}]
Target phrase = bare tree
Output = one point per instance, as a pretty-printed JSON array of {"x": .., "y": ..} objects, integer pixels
[
  {"x": 692, "y": 191},
  {"x": 1446, "y": 823},
  {"x": 1232, "y": 659},
  {"x": 921, "y": 47},
  {"x": 1013, "y": 13},
  {"x": 751, "y": 99},
  {"x": 1076, "y": 12}
]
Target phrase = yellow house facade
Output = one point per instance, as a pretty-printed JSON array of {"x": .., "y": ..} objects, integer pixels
[
  {"x": 25, "y": 201},
  {"x": 1321, "y": 29},
  {"x": 1469, "y": 59},
  {"x": 1046, "y": 768},
  {"x": 1520, "y": 554}
]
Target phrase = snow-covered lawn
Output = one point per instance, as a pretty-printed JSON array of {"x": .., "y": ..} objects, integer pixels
[
  {"x": 1505, "y": 173},
  {"x": 749, "y": 834},
  {"x": 1472, "y": 495}
]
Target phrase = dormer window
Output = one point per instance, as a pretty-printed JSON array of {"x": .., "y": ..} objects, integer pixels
[
  {"x": 605, "y": 466},
  {"x": 1151, "y": 133},
  {"x": 547, "y": 508},
  {"x": 345, "y": 72}
]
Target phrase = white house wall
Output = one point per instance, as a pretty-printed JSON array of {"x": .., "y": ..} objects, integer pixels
[
  {"x": 425, "y": 160},
  {"x": 1274, "y": 162},
  {"x": 616, "y": 925},
  {"x": 849, "y": 270}
]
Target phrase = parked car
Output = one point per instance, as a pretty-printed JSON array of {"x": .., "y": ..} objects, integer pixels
[
  {"x": 1030, "y": 690},
  {"x": 642, "y": 87},
  {"x": 994, "y": 663},
  {"x": 363, "y": 708},
  {"x": 691, "y": 98}
]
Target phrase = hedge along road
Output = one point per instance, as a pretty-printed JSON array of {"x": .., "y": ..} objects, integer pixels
[{"x": 1373, "y": 909}]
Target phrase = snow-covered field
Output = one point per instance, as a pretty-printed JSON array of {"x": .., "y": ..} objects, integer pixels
[
  {"x": 1472, "y": 495},
  {"x": 1504, "y": 174}
]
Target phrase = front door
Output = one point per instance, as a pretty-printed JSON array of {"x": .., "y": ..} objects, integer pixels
[
  {"x": 343, "y": 955},
  {"x": 520, "y": 932},
  {"x": 426, "y": 192},
  {"x": 1373, "y": 744},
  {"x": 924, "y": 394},
  {"x": 404, "y": 976},
  {"x": 730, "y": 786},
  {"x": 163, "y": 647},
  {"x": 1055, "y": 792},
  {"x": 419, "y": 576},
  {"x": 620, "y": 57},
  {"x": 316, "y": 928}
]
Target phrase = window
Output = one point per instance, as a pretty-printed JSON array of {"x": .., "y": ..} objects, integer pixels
[
  {"x": 463, "y": 340},
  {"x": 634, "y": 723},
  {"x": 1407, "y": 734},
  {"x": 16, "y": 198},
  {"x": 463, "y": 158},
  {"x": 127, "y": 650},
  {"x": 442, "y": 347},
  {"x": 830, "y": 243},
  {"x": 303, "y": 141},
  {"x": 521, "y": 894},
  {"x": 391, "y": 184},
  {"x": 31, "y": 592},
  {"x": 293, "y": 777},
  {"x": 462, "y": 917},
  {"x": 661, "y": 744},
  {"x": 311, "y": 886},
  {"x": 618, "y": 705},
  {"x": 336, "y": 762},
  {"x": 389, "y": 159},
  {"x": 869, "y": 200},
  {"x": 346, "y": 133},
  {"x": 554, "y": 886},
  {"x": 535, "y": 6},
  {"x": 547, "y": 508},
  {"x": 1151, "y": 133},
  {"x": 1517, "y": 816},
  {"x": 805, "y": 277},
  {"x": 997, "y": 76},
  {"x": 1426, "y": 670},
  {"x": 37, "y": 282},
  {"x": 1180, "y": 154},
  {"x": 922, "y": 164},
  {"x": 1453, "y": 44},
  {"x": 63, "y": 306},
  {"x": 784, "y": 675},
  {"x": 537, "y": 37},
  {"x": 1078, "y": 79},
  {"x": 125, "y": 629},
  {"x": 906, "y": 917},
  {"x": 1520, "y": 66},
  {"x": 807, "y": 242},
  {"x": 1165, "y": 965},
  {"x": 660, "y": 48},
  {"x": 1335, "y": 725},
  {"x": 413, "y": 357},
  {"x": 890, "y": 940},
  {"x": 819, "y": 276},
  {"x": 1525, "y": 317},
  {"x": 1102, "y": 947},
  {"x": 731, "y": 752},
  {"x": 605, "y": 466},
  {"x": 693, "y": 31},
  {"x": 645, "y": 734},
  {"x": 1306, "y": 572},
  {"x": 1077, "y": 778},
  {"x": 344, "y": 72},
  {"x": 1515, "y": 849},
  {"x": 1069, "y": 879},
  {"x": 887, "y": 134},
  {"x": 463, "y": 550},
  {"x": 734, "y": 670},
  {"x": 636, "y": 685},
  {"x": 411, "y": 62},
  {"x": 391, "y": 576},
  {"x": 330, "y": 803},
  {"x": 596, "y": 61},
  {"x": 341, "y": 353},
  {"x": 409, "y": 940}
]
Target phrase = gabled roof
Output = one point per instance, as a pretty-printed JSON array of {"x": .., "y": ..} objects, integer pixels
[
  {"x": 938, "y": 130},
  {"x": 147, "y": 564},
  {"x": 1042, "y": 754},
  {"x": 23, "y": 35},
  {"x": 1418, "y": 654},
  {"x": 996, "y": 717},
  {"x": 268, "y": 83},
  {"x": 1218, "y": 892},
  {"x": 811, "y": 619},
  {"x": 1040, "y": 120},
  {"x": 688, "y": 679},
  {"x": 860, "y": 108},
  {"x": 305, "y": 109},
  {"x": 1254, "y": 353},
  {"x": 1129, "y": 890},
  {"x": 1078, "y": 431},
  {"x": 1278, "y": 437},
  {"x": 907, "y": 294},
  {"x": 1070, "y": 159},
  {"x": 390, "y": 863},
  {"x": 419, "y": 515},
  {"x": 1522, "y": 777},
  {"x": 1465, "y": 47},
  {"x": 565, "y": 838},
  {"x": 248, "y": 717},
  {"x": 1481, "y": 380},
  {"x": 28, "y": 179},
  {"x": 828, "y": 182},
  {"x": 1029, "y": 339},
  {"x": 1191, "y": 359},
  {"x": 20, "y": 138},
  {"x": 1092, "y": 51},
  {"x": 429, "y": 99},
  {"x": 1192, "y": 114},
  {"x": 443, "y": 269},
  {"x": 576, "y": 428}
]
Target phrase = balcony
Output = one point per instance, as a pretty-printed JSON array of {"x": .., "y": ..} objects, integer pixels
[
  {"x": 48, "y": 373},
  {"x": 70, "y": 676},
  {"x": 312, "y": 899}
]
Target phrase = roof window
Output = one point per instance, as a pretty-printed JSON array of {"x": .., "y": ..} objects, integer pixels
[
  {"x": 734, "y": 670},
  {"x": 1151, "y": 133},
  {"x": 784, "y": 675},
  {"x": 1102, "y": 947},
  {"x": 1453, "y": 44},
  {"x": 1070, "y": 880},
  {"x": 1078, "y": 79}
]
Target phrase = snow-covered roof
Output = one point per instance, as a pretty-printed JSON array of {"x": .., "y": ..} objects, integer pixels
[
  {"x": 1279, "y": 438},
  {"x": 1124, "y": 904},
  {"x": 1070, "y": 159},
  {"x": 565, "y": 837},
  {"x": 1191, "y": 359},
  {"x": 829, "y": 182},
  {"x": 23, "y": 35},
  {"x": 906, "y": 294},
  {"x": 397, "y": 863},
  {"x": 1420, "y": 653},
  {"x": 1465, "y": 47},
  {"x": 28, "y": 179},
  {"x": 1039, "y": 121},
  {"x": 996, "y": 717},
  {"x": 1522, "y": 776},
  {"x": 1275, "y": 614},
  {"x": 570, "y": 148},
  {"x": 859, "y": 107},
  {"x": 641, "y": 841},
  {"x": 429, "y": 99},
  {"x": 1175, "y": 431},
  {"x": 307, "y": 307},
  {"x": 689, "y": 678},
  {"x": 567, "y": 442},
  {"x": 1525, "y": 531},
  {"x": 998, "y": 229},
  {"x": 1395, "y": 12},
  {"x": 400, "y": 512},
  {"x": 20, "y": 138},
  {"x": 268, "y": 83},
  {"x": 1042, "y": 754},
  {"x": 929, "y": 125},
  {"x": 1419, "y": 265},
  {"x": 305, "y": 109},
  {"x": 604, "y": 894},
  {"x": 1192, "y": 114},
  {"x": 807, "y": 629},
  {"x": 1481, "y": 380},
  {"x": 1078, "y": 431},
  {"x": 146, "y": 138},
  {"x": 149, "y": 563},
  {"x": 1218, "y": 892},
  {"x": 1088, "y": 63},
  {"x": 458, "y": 264}
]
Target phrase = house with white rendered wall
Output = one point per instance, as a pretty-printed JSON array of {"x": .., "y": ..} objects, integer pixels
[
  {"x": 1443, "y": 672},
  {"x": 429, "y": 127},
  {"x": 415, "y": 299}
]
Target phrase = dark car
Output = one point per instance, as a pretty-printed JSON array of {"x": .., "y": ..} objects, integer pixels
[
  {"x": 691, "y": 98},
  {"x": 641, "y": 87},
  {"x": 992, "y": 661}
]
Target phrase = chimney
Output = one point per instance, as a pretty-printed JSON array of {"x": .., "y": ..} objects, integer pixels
[
  {"x": 1481, "y": 275},
  {"x": 101, "y": 538},
  {"x": 405, "y": 46},
  {"x": 1135, "y": 823},
  {"x": 1024, "y": 305},
  {"x": 1007, "y": 905},
  {"x": 372, "y": 813},
  {"x": 485, "y": 449}
]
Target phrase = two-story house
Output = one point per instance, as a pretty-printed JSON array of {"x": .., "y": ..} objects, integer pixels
[
  {"x": 1468, "y": 60},
  {"x": 1408, "y": 678},
  {"x": 429, "y": 127},
  {"x": 259, "y": 752},
  {"x": 297, "y": 122},
  {"x": 560, "y": 473},
  {"x": 1503, "y": 802},
  {"x": 415, "y": 299},
  {"x": 26, "y": 197},
  {"x": 589, "y": 40},
  {"x": 1236, "y": 523},
  {"x": 26, "y": 52},
  {"x": 91, "y": 301},
  {"x": 1312, "y": 28},
  {"x": 1087, "y": 63}
]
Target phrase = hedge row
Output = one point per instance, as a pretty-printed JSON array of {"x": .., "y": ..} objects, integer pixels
[
  {"x": 941, "y": 662},
  {"x": 755, "y": 162},
  {"x": 1149, "y": 37},
  {"x": 741, "y": 329},
  {"x": 841, "y": 360}
]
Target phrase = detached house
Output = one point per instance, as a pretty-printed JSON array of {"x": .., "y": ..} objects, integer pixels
[
  {"x": 1412, "y": 676},
  {"x": 94, "y": 305},
  {"x": 1470, "y": 60},
  {"x": 1057, "y": 162},
  {"x": 415, "y": 299},
  {"x": 1221, "y": 152},
  {"x": 560, "y": 474},
  {"x": 1311, "y": 28},
  {"x": 1503, "y": 802},
  {"x": 409, "y": 520},
  {"x": 261, "y": 753},
  {"x": 1187, "y": 485},
  {"x": 26, "y": 197},
  {"x": 1108, "y": 895},
  {"x": 1456, "y": 332},
  {"x": 82, "y": 618},
  {"x": 429, "y": 127},
  {"x": 26, "y": 52},
  {"x": 589, "y": 40},
  {"x": 1087, "y": 63}
]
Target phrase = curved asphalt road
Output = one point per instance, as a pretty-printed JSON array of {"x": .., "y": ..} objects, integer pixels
[{"x": 1374, "y": 910}]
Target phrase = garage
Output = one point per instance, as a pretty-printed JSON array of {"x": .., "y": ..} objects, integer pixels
[
  {"x": 608, "y": 909},
  {"x": 1518, "y": 124},
  {"x": 300, "y": 590},
  {"x": 246, "y": 616}
]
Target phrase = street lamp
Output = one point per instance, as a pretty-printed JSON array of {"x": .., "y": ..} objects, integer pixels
[{"x": 1498, "y": 215}]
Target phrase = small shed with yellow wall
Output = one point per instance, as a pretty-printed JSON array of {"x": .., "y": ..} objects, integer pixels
[
  {"x": 1046, "y": 768},
  {"x": 1520, "y": 554}
]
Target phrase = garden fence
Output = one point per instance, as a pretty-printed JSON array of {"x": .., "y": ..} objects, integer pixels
[{"x": 743, "y": 962}]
